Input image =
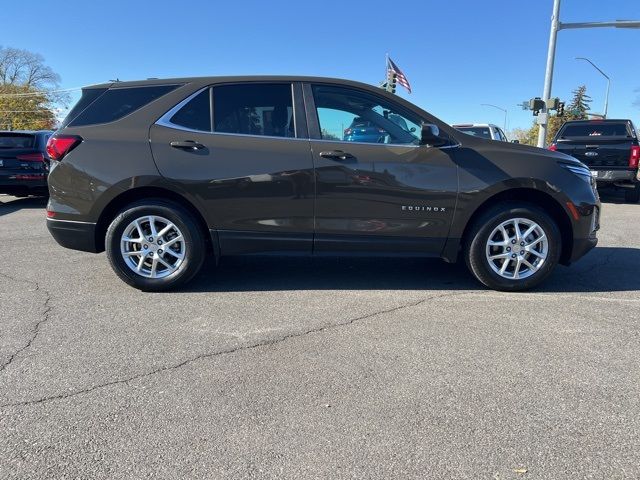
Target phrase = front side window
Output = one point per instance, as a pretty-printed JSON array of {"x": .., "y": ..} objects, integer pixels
[
  {"x": 254, "y": 109},
  {"x": 356, "y": 116}
]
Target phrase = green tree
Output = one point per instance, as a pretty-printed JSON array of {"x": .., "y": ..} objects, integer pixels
[
  {"x": 28, "y": 91},
  {"x": 579, "y": 105}
]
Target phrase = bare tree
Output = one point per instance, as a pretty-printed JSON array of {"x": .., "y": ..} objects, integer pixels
[
  {"x": 26, "y": 69},
  {"x": 28, "y": 90}
]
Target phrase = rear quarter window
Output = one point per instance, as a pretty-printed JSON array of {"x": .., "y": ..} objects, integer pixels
[{"x": 116, "y": 103}]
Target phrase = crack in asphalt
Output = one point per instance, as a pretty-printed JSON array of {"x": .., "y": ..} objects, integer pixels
[
  {"x": 35, "y": 331},
  {"x": 240, "y": 348}
]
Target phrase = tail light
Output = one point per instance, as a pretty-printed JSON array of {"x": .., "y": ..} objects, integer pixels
[
  {"x": 634, "y": 156},
  {"x": 59, "y": 145},
  {"x": 553, "y": 147},
  {"x": 31, "y": 157}
]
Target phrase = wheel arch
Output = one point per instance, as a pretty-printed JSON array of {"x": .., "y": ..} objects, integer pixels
[
  {"x": 110, "y": 211},
  {"x": 532, "y": 196}
]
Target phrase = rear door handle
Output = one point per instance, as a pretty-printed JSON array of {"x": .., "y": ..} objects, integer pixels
[
  {"x": 337, "y": 155},
  {"x": 188, "y": 145}
]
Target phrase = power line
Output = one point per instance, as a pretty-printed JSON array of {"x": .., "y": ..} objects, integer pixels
[{"x": 30, "y": 94}]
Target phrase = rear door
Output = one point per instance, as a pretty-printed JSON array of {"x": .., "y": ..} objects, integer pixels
[
  {"x": 241, "y": 150},
  {"x": 376, "y": 194},
  {"x": 601, "y": 145}
]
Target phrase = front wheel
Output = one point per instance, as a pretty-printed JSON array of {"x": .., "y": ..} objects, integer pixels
[
  {"x": 155, "y": 245},
  {"x": 513, "y": 247}
]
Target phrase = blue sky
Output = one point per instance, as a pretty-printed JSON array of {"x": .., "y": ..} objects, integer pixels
[{"x": 456, "y": 54}]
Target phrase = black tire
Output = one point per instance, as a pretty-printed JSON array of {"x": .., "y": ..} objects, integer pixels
[
  {"x": 194, "y": 244},
  {"x": 632, "y": 195},
  {"x": 476, "y": 244}
]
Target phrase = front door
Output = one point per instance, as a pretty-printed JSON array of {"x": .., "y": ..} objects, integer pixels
[
  {"x": 377, "y": 188},
  {"x": 239, "y": 149}
]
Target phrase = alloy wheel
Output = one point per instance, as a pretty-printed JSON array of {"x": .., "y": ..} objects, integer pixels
[
  {"x": 153, "y": 247},
  {"x": 517, "y": 248}
]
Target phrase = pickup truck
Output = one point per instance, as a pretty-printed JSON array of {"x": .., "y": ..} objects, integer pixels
[{"x": 608, "y": 147}]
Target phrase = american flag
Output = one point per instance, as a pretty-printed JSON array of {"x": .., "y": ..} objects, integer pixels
[{"x": 401, "y": 78}]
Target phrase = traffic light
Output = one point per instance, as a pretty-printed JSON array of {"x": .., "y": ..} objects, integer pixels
[
  {"x": 560, "y": 109},
  {"x": 552, "y": 103},
  {"x": 392, "y": 79},
  {"x": 536, "y": 104}
]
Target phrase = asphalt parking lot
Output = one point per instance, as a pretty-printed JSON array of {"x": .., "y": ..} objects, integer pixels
[{"x": 332, "y": 368}]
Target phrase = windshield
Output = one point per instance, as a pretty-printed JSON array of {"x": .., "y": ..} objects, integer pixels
[
  {"x": 16, "y": 140},
  {"x": 483, "y": 132},
  {"x": 595, "y": 130}
]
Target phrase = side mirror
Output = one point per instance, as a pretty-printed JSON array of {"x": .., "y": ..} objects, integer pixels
[
  {"x": 431, "y": 135},
  {"x": 515, "y": 141}
]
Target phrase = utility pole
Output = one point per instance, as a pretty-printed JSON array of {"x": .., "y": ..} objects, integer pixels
[{"x": 556, "y": 25}]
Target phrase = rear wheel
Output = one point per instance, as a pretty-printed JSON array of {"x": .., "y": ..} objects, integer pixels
[
  {"x": 513, "y": 247},
  {"x": 155, "y": 245},
  {"x": 632, "y": 195}
]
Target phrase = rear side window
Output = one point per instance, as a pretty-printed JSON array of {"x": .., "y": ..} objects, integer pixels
[
  {"x": 254, "y": 109},
  {"x": 115, "y": 103},
  {"x": 16, "y": 140},
  {"x": 196, "y": 114},
  {"x": 595, "y": 130}
]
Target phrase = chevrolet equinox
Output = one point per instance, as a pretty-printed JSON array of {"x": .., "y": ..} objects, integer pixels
[{"x": 160, "y": 173}]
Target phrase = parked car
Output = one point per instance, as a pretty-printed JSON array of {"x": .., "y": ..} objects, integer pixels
[
  {"x": 482, "y": 130},
  {"x": 609, "y": 148},
  {"x": 362, "y": 130},
  {"x": 161, "y": 172},
  {"x": 23, "y": 167}
]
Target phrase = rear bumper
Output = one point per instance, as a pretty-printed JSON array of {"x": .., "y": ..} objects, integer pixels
[
  {"x": 74, "y": 235},
  {"x": 607, "y": 177},
  {"x": 13, "y": 184}
]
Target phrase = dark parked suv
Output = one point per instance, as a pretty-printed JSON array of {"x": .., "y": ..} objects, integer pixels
[
  {"x": 161, "y": 172},
  {"x": 23, "y": 162}
]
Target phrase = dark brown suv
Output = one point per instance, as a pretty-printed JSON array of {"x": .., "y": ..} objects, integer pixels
[{"x": 161, "y": 172}]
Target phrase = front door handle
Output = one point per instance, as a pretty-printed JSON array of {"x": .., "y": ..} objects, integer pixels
[
  {"x": 187, "y": 145},
  {"x": 337, "y": 155}
]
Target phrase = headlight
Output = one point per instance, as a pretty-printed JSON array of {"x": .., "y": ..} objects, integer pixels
[{"x": 579, "y": 169}]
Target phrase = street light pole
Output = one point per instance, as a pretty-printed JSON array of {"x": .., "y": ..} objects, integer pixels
[
  {"x": 606, "y": 96},
  {"x": 556, "y": 25},
  {"x": 504, "y": 128}
]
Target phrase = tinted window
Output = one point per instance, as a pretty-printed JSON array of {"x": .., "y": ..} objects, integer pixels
[
  {"x": 196, "y": 114},
  {"x": 16, "y": 140},
  {"x": 356, "y": 116},
  {"x": 595, "y": 130},
  {"x": 115, "y": 103},
  {"x": 254, "y": 109},
  {"x": 482, "y": 132},
  {"x": 87, "y": 98}
]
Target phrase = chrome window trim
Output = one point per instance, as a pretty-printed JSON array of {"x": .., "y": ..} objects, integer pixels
[{"x": 163, "y": 121}]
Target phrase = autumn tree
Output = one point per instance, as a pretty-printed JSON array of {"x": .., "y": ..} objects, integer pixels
[{"x": 28, "y": 91}]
